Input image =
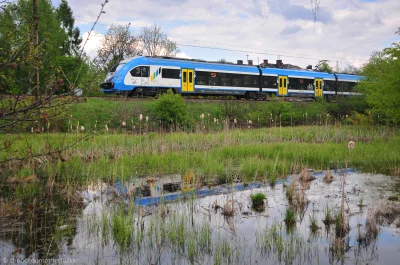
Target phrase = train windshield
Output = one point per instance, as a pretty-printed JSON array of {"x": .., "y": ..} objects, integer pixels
[
  {"x": 116, "y": 67},
  {"x": 113, "y": 70}
]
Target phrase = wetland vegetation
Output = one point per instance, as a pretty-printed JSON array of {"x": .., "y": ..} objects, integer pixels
[{"x": 85, "y": 193}]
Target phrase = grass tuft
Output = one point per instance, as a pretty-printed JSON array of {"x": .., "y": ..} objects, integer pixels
[{"x": 290, "y": 217}]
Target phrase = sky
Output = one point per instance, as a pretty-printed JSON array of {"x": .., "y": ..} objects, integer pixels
[{"x": 346, "y": 32}]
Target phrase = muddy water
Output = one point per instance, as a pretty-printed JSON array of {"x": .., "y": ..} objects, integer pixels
[{"x": 171, "y": 233}]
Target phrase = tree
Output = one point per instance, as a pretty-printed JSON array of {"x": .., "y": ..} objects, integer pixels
[
  {"x": 323, "y": 66},
  {"x": 382, "y": 83},
  {"x": 223, "y": 60},
  {"x": 156, "y": 43},
  {"x": 64, "y": 15},
  {"x": 351, "y": 70},
  {"x": 18, "y": 64},
  {"x": 118, "y": 44}
]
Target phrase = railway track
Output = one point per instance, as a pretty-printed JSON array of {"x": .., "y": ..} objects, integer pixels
[{"x": 211, "y": 99}]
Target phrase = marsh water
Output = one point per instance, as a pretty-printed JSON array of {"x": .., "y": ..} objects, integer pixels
[{"x": 111, "y": 228}]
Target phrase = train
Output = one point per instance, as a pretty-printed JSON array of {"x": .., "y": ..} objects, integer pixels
[{"x": 153, "y": 75}]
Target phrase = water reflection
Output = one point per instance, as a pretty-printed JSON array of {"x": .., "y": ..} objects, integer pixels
[{"x": 195, "y": 228}]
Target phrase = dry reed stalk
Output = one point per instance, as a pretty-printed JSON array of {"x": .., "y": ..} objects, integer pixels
[
  {"x": 328, "y": 178},
  {"x": 371, "y": 226},
  {"x": 305, "y": 175},
  {"x": 228, "y": 209}
]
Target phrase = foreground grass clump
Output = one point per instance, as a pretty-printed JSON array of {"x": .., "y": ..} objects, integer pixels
[
  {"x": 123, "y": 226},
  {"x": 258, "y": 200}
]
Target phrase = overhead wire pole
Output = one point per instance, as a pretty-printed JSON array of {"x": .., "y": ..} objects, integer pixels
[{"x": 36, "y": 45}]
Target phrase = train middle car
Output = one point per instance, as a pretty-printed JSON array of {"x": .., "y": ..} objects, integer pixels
[{"x": 154, "y": 75}]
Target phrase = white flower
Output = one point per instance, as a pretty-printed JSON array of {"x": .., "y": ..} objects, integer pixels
[
  {"x": 82, "y": 128},
  {"x": 32, "y": 129},
  {"x": 106, "y": 128},
  {"x": 234, "y": 121},
  {"x": 147, "y": 118},
  {"x": 123, "y": 124},
  {"x": 215, "y": 120},
  {"x": 140, "y": 117},
  {"x": 250, "y": 122},
  {"x": 351, "y": 145}
]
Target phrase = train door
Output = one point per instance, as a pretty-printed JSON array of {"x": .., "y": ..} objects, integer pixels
[
  {"x": 318, "y": 87},
  {"x": 282, "y": 86},
  {"x": 187, "y": 80}
]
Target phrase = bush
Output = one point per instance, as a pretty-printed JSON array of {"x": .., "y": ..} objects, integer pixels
[{"x": 170, "y": 108}]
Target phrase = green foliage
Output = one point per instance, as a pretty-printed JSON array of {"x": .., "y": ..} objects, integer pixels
[
  {"x": 257, "y": 199},
  {"x": 72, "y": 72},
  {"x": 170, "y": 108},
  {"x": 325, "y": 67},
  {"x": 16, "y": 46},
  {"x": 382, "y": 84},
  {"x": 360, "y": 119},
  {"x": 64, "y": 14}
]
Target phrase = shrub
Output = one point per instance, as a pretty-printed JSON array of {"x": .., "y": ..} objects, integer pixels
[{"x": 170, "y": 108}]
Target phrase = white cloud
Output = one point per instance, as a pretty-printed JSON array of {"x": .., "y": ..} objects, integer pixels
[
  {"x": 183, "y": 55},
  {"x": 93, "y": 43},
  {"x": 346, "y": 31}
]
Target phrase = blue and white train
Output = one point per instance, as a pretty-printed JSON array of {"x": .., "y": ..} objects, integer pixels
[{"x": 150, "y": 76}]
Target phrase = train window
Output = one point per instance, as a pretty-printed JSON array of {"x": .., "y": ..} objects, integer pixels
[
  {"x": 250, "y": 81},
  {"x": 112, "y": 70},
  {"x": 136, "y": 72},
  {"x": 140, "y": 71},
  {"x": 213, "y": 80},
  {"x": 346, "y": 86},
  {"x": 300, "y": 84},
  {"x": 284, "y": 82},
  {"x": 190, "y": 77},
  {"x": 296, "y": 83},
  {"x": 201, "y": 78},
  {"x": 237, "y": 80},
  {"x": 226, "y": 79},
  {"x": 184, "y": 77},
  {"x": 352, "y": 86},
  {"x": 145, "y": 71},
  {"x": 329, "y": 85},
  {"x": 343, "y": 86},
  {"x": 170, "y": 73},
  {"x": 270, "y": 81}
]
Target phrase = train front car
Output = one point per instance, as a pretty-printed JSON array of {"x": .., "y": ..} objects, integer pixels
[{"x": 116, "y": 81}]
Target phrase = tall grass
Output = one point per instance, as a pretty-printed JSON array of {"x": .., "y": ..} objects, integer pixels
[{"x": 122, "y": 226}]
